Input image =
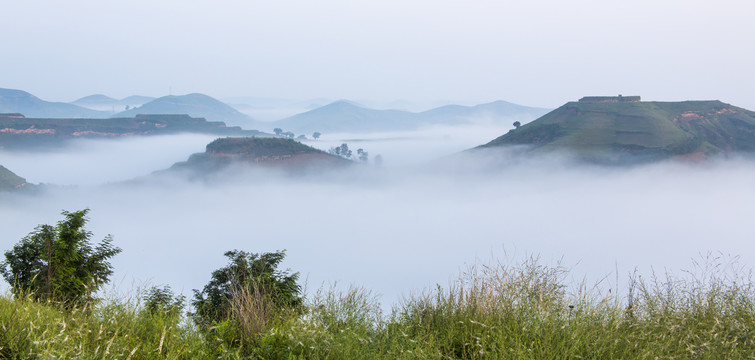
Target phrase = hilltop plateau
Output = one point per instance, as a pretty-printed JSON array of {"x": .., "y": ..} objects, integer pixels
[
  {"x": 251, "y": 152},
  {"x": 615, "y": 130},
  {"x": 17, "y": 131}
]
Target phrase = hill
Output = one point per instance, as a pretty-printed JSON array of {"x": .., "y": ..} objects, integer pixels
[
  {"x": 106, "y": 103},
  {"x": 195, "y": 105},
  {"x": 16, "y": 131},
  {"x": 617, "y": 131},
  {"x": 251, "y": 152},
  {"x": 17, "y": 101},
  {"x": 494, "y": 111},
  {"x": 345, "y": 116},
  {"x": 10, "y": 181}
]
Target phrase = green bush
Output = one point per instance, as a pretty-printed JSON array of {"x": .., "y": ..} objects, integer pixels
[
  {"x": 59, "y": 263},
  {"x": 248, "y": 278}
]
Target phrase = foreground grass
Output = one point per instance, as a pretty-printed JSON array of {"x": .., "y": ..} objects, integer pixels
[{"x": 492, "y": 312}]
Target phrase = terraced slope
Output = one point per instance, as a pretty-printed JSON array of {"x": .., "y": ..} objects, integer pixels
[{"x": 638, "y": 130}]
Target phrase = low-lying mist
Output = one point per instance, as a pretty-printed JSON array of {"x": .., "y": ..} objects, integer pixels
[
  {"x": 94, "y": 162},
  {"x": 399, "y": 229}
]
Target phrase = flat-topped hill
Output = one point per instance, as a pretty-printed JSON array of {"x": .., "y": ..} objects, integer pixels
[
  {"x": 285, "y": 154},
  {"x": 618, "y": 130},
  {"x": 17, "y": 131}
]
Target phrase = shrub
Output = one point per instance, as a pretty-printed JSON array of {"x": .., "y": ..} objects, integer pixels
[
  {"x": 59, "y": 263},
  {"x": 250, "y": 275}
]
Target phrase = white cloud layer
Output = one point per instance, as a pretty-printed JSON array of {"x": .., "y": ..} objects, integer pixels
[{"x": 397, "y": 229}]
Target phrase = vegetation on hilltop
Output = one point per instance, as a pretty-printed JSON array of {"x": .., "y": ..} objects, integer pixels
[
  {"x": 251, "y": 152},
  {"x": 254, "y": 147},
  {"x": 650, "y": 130}
]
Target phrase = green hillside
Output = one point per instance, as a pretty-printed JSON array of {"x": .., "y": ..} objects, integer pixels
[
  {"x": 9, "y": 180},
  {"x": 642, "y": 130},
  {"x": 285, "y": 154}
]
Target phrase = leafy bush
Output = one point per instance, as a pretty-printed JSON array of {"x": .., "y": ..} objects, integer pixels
[
  {"x": 162, "y": 300},
  {"x": 247, "y": 274},
  {"x": 59, "y": 263}
]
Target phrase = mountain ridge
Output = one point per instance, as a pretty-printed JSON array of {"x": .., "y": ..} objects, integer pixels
[
  {"x": 19, "y": 101},
  {"x": 348, "y": 116}
]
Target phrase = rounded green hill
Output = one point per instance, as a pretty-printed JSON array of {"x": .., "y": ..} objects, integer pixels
[{"x": 614, "y": 129}]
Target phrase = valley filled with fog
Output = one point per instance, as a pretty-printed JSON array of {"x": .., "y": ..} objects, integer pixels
[{"x": 394, "y": 229}]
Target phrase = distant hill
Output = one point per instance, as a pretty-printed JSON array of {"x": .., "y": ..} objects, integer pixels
[
  {"x": 345, "y": 116},
  {"x": 251, "y": 152},
  {"x": 617, "y": 131},
  {"x": 97, "y": 99},
  {"x": 17, "y": 101},
  {"x": 495, "y": 111},
  {"x": 16, "y": 131},
  {"x": 105, "y": 103},
  {"x": 195, "y": 105},
  {"x": 10, "y": 181},
  {"x": 136, "y": 100}
]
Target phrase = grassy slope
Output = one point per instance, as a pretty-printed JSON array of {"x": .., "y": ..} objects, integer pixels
[
  {"x": 494, "y": 312},
  {"x": 9, "y": 180},
  {"x": 659, "y": 128}
]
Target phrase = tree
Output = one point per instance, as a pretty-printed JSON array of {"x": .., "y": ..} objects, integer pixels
[
  {"x": 378, "y": 160},
  {"x": 288, "y": 134},
  {"x": 363, "y": 155},
  {"x": 345, "y": 152},
  {"x": 250, "y": 273},
  {"x": 517, "y": 124},
  {"x": 59, "y": 263},
  {"x": 301, "y": 137},
  {"x": 163, "y": 300},
  {"x": 316, "y": 135},
  {"x": 278, "y": 131}
]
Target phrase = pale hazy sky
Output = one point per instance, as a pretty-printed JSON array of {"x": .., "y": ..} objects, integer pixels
[{"x": 535, "y": 52}]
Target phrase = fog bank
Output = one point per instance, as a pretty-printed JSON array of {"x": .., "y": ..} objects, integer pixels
[{"x": 397, "y": 230}]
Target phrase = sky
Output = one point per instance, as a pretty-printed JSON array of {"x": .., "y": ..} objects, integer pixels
[{"x": 538, "y": 53}]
